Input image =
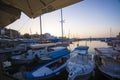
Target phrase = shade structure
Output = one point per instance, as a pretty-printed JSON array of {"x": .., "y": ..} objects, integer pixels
[
  {"x": 8, "y": 14},
  {"x": 10, "y": 9}
]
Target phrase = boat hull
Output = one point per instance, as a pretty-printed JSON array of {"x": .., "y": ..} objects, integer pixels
[
  {"x": 83, "y": 77},
  {"x": 111, "y": 70},
  {"x": 47, "y": 71},
  {"x": 108, "y": 76},
  {"x": 15, "y": 61}
]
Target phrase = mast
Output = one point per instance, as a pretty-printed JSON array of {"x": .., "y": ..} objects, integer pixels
[
  {"x": 62, "y": 25},
  {"x": 110, "y": 32},
  {"x": 30, "y": 33},
  {"x": 40, "y": 29}
]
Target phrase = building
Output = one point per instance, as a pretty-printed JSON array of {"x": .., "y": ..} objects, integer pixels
[{"x": 10, "y": 33}]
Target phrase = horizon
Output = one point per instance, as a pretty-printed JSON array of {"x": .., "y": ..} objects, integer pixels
[{"x": 89, "y": 18}]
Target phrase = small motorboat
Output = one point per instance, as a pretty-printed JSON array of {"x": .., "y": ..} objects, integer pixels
[
  {"x": 81, "y": 65},
  {"x": 49, "y": 69},
  {"x": 108, "y": 62},
  {"x": 81, "y": 49},
  {"x": 43, "y": 67},
  {"x": 43, "y": 52}
]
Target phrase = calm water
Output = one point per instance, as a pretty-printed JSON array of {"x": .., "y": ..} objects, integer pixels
[{"x": 91, "y": 44}]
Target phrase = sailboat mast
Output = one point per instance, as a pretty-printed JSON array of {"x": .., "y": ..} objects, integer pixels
[
  {"x": 62, "y": 25},
  {"x": 110, "y": 32},
  {"x": 40, "y": 29}
]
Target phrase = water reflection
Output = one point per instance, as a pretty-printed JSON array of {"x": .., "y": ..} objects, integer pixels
[{"x": 91, "y": 44}]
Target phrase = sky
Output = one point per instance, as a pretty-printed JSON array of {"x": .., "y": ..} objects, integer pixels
[{"x": 89, "y": 18}]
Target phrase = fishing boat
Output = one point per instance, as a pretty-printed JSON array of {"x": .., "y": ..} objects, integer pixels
[
  {"x": 11, "y": 47},
  {"x": 45, "y": 65},
  {"x": 50, "y": 69},
  {"x": 81, "y": 49},
  {"x": 108, "y": 62},
  {"x": 81, "y": 65},
  {"x": 41, "y": 51}
]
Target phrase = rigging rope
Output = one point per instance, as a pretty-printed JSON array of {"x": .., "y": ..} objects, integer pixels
[{"x": 23, "y": 25}]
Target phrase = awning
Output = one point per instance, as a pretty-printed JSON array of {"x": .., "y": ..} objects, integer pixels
[
  {"x": 10, "y": 9},
  {"x": 8, "y": 14}
]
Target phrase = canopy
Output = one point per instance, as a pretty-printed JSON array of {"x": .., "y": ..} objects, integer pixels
[{"x": 10, "y": 10}]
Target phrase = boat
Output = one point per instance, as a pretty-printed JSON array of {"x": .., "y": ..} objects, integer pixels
[
  {"x": 81, "y": 65},
  {"x": 10, "y": 47},
  {"x": 52, "y": 67},
  {"x": 38, "y": 46},
  {"x": 49, "y": 70},
  {"x": 43, "y": 7},
  {"x": 46, "y": 65},
  {"x": 81, "y": 49},
  {"x": 41, "y": 51},
  {"x": 108, "y": 62},
  {"x": 117, "y": 45}
]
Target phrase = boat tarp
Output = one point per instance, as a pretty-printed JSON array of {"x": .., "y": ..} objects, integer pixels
[{"x": 59, "y": 53}]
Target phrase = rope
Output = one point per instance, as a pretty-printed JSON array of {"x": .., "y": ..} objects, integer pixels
[{"x": 23, "y": 25}]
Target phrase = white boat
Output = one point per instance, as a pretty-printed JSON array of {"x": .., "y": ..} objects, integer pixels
[
  {"x": 19, "y": 49},
  {"x": 108, "y": 62},
  {"x": 48, "y": 70},
  {"x": 48, "y": 65},
  {"x": 41, "y": 51},
  {"x": 81, "y": 49},
  {"x": 37, "y": 46},
  {"x": 80, "y": 66}
]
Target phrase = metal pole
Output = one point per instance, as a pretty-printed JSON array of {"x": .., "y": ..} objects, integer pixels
[
  {"x": 40, "y": 29},
  {"x": 110, "y": 32},
  {"x": 62, "y": 25}
]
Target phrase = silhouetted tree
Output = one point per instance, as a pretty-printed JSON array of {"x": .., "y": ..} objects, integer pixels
[{"x": 26, "y": 35}]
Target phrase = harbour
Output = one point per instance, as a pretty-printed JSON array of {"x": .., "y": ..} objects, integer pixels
[
  {"x": 63, "y": 75},
  {"x": 97, "y": 75},
  {"x": 59, "y": 40}
]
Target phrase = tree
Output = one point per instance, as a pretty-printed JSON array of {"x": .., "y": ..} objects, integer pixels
[{"x": 26, "y": 35}]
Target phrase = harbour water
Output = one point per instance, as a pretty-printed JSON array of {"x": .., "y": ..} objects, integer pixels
[{"x": 92, "y": 44}]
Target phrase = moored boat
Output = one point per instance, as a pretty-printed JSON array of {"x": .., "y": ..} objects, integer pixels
[
  {"x": 80, "y": 66},
  {"x": 81, "y": 49},
  {"x": 41, "y": 51},
  {"x": 48, "y": 70},
  {"x": 45, "y": 65},
  {"x": 108, "y": 62}
]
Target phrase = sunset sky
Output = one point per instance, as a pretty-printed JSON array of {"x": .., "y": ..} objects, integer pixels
[{"x": 95, "y": 18}]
